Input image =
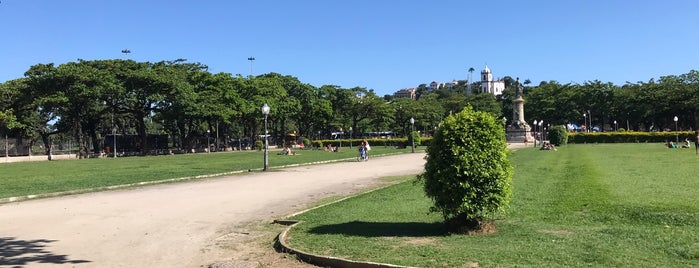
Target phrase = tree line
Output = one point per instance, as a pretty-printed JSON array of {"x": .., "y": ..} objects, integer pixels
[{"x": 89, "y": 99}]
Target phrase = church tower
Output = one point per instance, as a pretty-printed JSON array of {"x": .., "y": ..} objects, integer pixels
[{"x": 488, "y": 85}]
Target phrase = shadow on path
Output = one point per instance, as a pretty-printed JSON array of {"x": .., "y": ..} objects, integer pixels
[
  {"x": 17, "y": 253},
  {"x": 380, "y": 229}
]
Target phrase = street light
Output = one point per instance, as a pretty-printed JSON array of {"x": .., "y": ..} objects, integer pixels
[
  {"x": 251, "y": 59},
  {"x": 677, "y": 138},
  {"x": 541, "y": 123},
  {"x": 535, "y": 127},
  {"x": 412, "y": 138},
  {"x": 616, "y": 127},
  {"x": 350, "y": 137},
  {"x": 585, "y": 121},
  {"x": 265, "y": 112},
  {"x": 208, "y": 142}
]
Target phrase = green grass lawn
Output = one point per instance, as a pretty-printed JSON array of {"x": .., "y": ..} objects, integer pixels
[
  {"x": 31, "y": 178},
  {"x": 597, "y": 205}
]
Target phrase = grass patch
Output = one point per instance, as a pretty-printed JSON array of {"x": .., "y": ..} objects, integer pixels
[
  {"x": 601, "y": 205},
  {"x": 32, "y": 178}
]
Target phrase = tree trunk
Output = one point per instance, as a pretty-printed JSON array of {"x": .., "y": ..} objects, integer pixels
[{"x": 82, "y": 151}]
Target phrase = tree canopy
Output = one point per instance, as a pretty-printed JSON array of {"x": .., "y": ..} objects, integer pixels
[{"x": 89, "y": 99}]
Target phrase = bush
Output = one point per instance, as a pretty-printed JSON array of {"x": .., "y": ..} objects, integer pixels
[
  {"x": 318, "y": 144},
  {"x": 628, "y": 136},
  {"x": 259, "y": 145},
  {"x": 306, "y": 142},
  {"x": 558, "y": 135},
  {"x": 413, "y": 136},
  {"x": 467, "y": 173}
]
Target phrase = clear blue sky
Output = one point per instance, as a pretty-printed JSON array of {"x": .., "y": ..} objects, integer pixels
[{"x": 380, "y": 45}]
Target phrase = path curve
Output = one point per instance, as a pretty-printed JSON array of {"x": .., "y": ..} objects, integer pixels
[{"x": 173, "y": 225}]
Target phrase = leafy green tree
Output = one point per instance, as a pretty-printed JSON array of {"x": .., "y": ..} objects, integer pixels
[
  {"x": 467, "y": 173},
  {"x": 485, "y": 102}
]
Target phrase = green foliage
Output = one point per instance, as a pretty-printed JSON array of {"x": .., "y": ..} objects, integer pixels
[
  {"x": 318, "y": 144},
  {"x": 306, "y": 141},
  {"x": 259, "y": 145},
  {"x": 467, "y": 173},
  {"x": 629, "y": 136},
  {"x": 414, "y": 136},
  {"x": 558, "y": 135},
  {"x": 8, "y": 120}
]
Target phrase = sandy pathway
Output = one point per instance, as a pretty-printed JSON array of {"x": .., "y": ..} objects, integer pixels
[{"x": 173, "y": 225}]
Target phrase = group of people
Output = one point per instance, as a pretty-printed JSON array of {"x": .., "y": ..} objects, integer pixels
[
  {"x": 364, "y": 149},
  {"x": 329, "y": 148},
  {"x": 287, "y": 151},
  {"x": 671, "y": 144},
  {"x": 548, "y": 146}
]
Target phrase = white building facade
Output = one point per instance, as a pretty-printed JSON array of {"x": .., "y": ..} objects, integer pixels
[{"x": 489, "y": 85}]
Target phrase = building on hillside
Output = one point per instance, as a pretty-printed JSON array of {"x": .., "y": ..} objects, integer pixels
[
  {"x": 434, "y": 86},
  {"x": 451, "y": 85},
  {"x": 489, "y": 85},
  {"x": 405, "y": 93}
]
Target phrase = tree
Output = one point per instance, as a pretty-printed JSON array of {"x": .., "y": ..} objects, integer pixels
[
  {"x": 470, "y": 75},
  {"x": 467, "y": 173}
]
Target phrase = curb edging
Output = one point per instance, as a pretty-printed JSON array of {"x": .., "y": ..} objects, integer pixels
[{"x": 281, "y": 245}]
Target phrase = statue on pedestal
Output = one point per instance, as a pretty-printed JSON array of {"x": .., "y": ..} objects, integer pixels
[{"x": 519, "y": 130}]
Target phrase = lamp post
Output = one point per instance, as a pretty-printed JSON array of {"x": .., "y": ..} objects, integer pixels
[
  {"x": 412, "y": 138},
  {"x": 208, "y": 141},
  {"x": 265, "y": 112},
  {"x": 585, "y": 121},
  {"x": 350, "y": 137},
  {"x": 541, "y": 123},
  {"x": 535, "y": 127},
  {"x": 115, "y": 140},
  {"x": 616, "y": 127},
  {"x": 251, "y": 59},
  {"x": 677, "y": 137}
]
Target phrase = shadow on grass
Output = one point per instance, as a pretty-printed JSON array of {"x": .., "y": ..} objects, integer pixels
[
  {"x": 380, "y": 229},
  {"x": 19, "y": 253}
]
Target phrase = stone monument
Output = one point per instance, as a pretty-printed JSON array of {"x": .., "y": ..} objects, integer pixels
[{"x": 519, "y": 130}]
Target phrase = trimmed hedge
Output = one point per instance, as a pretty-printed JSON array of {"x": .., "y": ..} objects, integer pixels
[
  {"x": 423, "y": 141},
  {"x": 630, "y": 137}
]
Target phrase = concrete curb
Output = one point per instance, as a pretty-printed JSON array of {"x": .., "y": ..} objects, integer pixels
[
  {"x": 281, "y": 245},
  {"x": 324, "y": 261}
]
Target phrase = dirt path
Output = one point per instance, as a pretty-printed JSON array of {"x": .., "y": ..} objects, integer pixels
[{"x": 190, "y": 224}]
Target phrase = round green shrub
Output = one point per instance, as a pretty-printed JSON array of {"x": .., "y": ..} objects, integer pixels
[
  {"x": 259, "y": 145},
  {"x": 558, "y": 135},
  {"x": 413, "y": 136},
  {"x": 467, "y": 173}
]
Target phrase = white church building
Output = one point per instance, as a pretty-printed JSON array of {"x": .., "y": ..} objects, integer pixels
[{"x": 488, "y": 85}]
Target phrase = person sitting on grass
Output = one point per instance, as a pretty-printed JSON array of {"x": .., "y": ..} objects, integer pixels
[
  {"x": 287, "y": 151},
  {"x": 671, "y": 145},
  {"x": 686, "y": 143}
]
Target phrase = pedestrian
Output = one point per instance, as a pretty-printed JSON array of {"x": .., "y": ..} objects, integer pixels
[{"x": 362, "y": 151}]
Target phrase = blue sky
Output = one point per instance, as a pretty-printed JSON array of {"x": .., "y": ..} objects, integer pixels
[{"x": 380, "y": 45}]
